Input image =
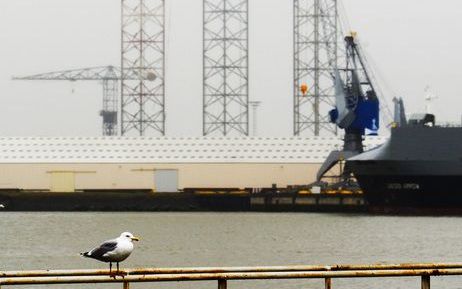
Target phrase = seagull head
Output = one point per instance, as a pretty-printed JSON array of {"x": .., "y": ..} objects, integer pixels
[{"x": 129, "y": 236}]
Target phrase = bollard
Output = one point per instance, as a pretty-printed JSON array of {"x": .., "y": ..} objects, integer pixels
[
  {"x": 426, "y": 282},
  {"x": 328, "y": 283},
  {"x": 222, "y": 284},
  {"x": 126, "y": 285}
]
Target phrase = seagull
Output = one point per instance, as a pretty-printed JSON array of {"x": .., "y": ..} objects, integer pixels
[{"x": 115, "y": 250}]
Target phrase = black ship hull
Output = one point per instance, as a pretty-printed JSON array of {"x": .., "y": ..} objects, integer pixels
[
  {"x": 400, "y": 188},
  {"x": 419, "y": 167}
]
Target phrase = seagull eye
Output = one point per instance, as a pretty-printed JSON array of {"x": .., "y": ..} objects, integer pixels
[{"x": 127, "y": 236}]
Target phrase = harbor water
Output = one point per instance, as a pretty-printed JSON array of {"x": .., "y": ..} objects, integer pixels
[{"x": 54, "y": 240}]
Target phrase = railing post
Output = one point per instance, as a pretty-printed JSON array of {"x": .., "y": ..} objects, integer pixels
[
  {"x": 328, "y": 283},
  {"x": 126, "y": 285},
  {"x": 222, "y": 284},
  {"x": 426, "y": 282}
]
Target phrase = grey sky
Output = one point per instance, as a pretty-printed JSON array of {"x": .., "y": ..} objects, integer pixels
[{"x": 413, "y": 43}]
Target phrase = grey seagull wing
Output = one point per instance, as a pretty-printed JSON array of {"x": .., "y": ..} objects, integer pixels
[{"x": 99, "y": 252}]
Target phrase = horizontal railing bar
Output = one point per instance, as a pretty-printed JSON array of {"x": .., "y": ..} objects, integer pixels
[
  {"x": 144, "y": 271},
  {"x": 229, "y": 276}
]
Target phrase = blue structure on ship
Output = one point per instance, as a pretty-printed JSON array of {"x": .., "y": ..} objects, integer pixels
[
  {"x": 366, "y": 121},
  {"x": 356, "y": 109}
]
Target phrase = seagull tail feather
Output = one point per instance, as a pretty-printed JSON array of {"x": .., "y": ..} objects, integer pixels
[{"x": 85, "y": 254}]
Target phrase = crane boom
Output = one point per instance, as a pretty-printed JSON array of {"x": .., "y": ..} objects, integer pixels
[
  {"x": 357, "y": 107},
  {"x": 90, "y": 73},
  {"x": 108, "y": 75}
]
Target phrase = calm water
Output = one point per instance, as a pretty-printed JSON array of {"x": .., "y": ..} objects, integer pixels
[{"x": 54, "y": 240}]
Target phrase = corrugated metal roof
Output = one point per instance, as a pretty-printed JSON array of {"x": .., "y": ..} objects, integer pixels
[{"x": 169, "y": 150}]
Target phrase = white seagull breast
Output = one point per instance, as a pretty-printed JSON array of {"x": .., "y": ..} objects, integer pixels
[{"x": 123, "y": 249}]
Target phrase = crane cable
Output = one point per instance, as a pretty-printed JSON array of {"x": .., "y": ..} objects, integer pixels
[{"x": 381, "y": 81}]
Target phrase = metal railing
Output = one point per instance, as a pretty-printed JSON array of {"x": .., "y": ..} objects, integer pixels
[{"x": 223, "y": 274}]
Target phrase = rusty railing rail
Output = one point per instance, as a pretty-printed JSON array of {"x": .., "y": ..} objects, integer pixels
[{"x": 223, "y": 274}]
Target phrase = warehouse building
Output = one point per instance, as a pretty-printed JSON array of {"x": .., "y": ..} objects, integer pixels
[{"x": 68, "y": 164}]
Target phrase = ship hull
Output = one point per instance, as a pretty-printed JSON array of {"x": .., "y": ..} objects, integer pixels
[
  {"x": 418, "y": 167},
  {"x": 418, "y": 184}
]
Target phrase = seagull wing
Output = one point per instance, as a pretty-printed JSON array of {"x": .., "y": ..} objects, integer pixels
[{"x": 100, "y": 252}]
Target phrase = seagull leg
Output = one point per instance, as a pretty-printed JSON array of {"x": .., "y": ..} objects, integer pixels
[
  {"x": 110, "y": 271},
  {"x": 120, "y": 273}
]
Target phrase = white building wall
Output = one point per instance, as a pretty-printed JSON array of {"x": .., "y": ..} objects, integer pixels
[
  {"x": 129, "y": 163},
  {"x": 141, "y": 176}
]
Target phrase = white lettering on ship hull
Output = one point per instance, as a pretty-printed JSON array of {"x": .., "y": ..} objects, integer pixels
[{"x": 403, "y": 186}]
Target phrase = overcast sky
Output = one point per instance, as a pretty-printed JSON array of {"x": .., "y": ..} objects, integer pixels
[{"x": 412, "y": 43}]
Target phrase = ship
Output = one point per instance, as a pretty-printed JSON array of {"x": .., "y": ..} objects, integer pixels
[{"x": 419, "y": 166}]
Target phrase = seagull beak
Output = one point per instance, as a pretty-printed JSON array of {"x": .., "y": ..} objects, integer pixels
[{"x": 135, "y": 238}]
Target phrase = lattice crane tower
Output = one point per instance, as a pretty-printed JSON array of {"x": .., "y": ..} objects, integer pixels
[
  {"x": 143, "y": 46},
  {"x": 108, "y": 75},
  {"x": 225, "y": 68},
  {"x": 316, "y": 36}
]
